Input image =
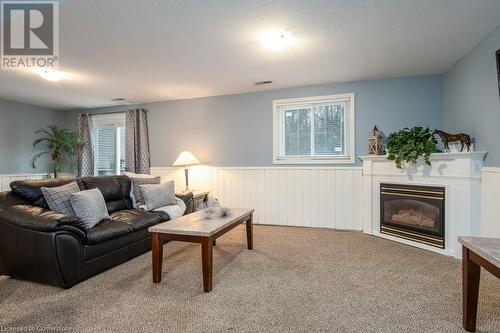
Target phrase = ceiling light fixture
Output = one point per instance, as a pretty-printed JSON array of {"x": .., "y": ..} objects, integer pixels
[
  {"x": 276, "y": 40},
  {"x": 50, "y": 74}
]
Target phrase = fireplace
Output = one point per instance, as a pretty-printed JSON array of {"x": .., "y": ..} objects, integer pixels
[{"x": 413, "y": 212}]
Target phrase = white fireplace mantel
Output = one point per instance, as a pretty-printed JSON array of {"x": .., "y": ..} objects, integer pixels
[{"x": 458, "y": 173}]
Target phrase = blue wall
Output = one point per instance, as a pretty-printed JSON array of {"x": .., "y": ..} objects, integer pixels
[
  {"x": 18, "y": 123},
  {"x": 471, "y": 100},
  {"x": 236, "y": 130}
]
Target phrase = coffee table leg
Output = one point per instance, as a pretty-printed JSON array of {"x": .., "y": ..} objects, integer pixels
[
  {"x": 471, "y": 273},
  {"x": 157, "y": 255},
  {"x": 207, "y": 263},
  {"x": 250, "y": 232}
]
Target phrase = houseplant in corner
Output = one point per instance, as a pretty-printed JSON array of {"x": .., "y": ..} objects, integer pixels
[
  {"x": 408, "y": 145},
  {"x": 60, "y": 144}
]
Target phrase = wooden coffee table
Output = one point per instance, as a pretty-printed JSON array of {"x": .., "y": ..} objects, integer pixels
[
  {"x": 195, "y": 228},
  {"x": 477, "y": 252}
]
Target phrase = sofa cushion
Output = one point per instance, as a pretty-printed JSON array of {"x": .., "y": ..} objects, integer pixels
[
  {"x": 91, "y": 251},
  {"x": 138, "y": 219},
  {"x": 115, "y": 190},
  {"x": 106, "y": 230},
  {"x": 31, "y": 190}
]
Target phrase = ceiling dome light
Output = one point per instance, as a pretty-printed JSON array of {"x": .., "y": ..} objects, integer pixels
[
  {"x": 276, "y": 40},
  {"x": 50, "y": 74}
]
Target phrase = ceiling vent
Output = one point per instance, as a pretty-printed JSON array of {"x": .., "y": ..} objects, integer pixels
[
  {"x": 263, "y": 82},
  {"x": 118, "y": 99}
]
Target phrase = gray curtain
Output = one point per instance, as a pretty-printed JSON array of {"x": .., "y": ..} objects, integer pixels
[
  {"x": 86, "y": 154},
  {"x": 137, "y": 158}
]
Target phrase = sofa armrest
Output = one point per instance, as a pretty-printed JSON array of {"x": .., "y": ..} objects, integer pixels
[
  {"x": 188, "y": 200},
  {"x": 54, "y": 257},
  {"x": 8, "y": 198},
  {"x": 41, "y": 219}
]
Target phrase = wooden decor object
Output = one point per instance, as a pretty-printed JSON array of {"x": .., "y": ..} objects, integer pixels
[{"x": 375, "y": 142}]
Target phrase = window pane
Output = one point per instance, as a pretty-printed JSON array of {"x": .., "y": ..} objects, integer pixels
[
  {"x": 329, "y": 133},
  {"x": 297, "y": 132},
  {"x": 106, "y": 151}
]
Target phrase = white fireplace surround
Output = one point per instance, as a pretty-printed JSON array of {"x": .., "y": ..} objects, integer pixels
[{"x": 458, "y": 173}]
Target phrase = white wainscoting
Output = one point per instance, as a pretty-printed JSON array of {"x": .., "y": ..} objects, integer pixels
[
  {"x": 5, "y": 180},
  {"x": 490, "y": 202},
  {"x": 325, "y": 197}
]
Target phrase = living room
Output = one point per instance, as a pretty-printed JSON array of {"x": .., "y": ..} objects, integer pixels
[{"x": 258, "y": 166}]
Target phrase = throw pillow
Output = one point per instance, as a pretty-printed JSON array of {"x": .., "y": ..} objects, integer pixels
[
  {"x": 136, "y": 182},
  {"x": 134, "y": 175},
  {"x": 156, "y": 196},
  {"x": 90, "y": 207},
  {"x": 59, "y": 198}
]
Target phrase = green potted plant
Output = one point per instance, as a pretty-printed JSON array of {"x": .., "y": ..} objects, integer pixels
[
  {"x": 60, "y": 144},
  {"x": 408, "y": 145}
]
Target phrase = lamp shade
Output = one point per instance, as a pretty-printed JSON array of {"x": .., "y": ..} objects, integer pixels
[{"x": 186, "y": 158}]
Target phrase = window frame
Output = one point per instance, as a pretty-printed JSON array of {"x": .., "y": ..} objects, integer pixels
[
  {"x": 109, "y": 120},
  {"x": 278, "y": 132}
]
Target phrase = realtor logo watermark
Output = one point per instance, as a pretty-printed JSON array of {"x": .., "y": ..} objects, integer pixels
[{"x": 30, "y": 34}]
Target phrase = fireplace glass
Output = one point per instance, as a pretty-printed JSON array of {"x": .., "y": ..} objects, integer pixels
[{"x": 413, "y": 212}]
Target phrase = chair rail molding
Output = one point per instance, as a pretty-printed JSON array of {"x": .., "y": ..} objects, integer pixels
[
  {"x": 324, "y": 197},
  {"x": 6, "y": 179}
]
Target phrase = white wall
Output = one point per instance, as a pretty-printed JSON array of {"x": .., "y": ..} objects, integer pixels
[
  {"x": 327, "y": 197},
  {"x": 490, "y": 202}
]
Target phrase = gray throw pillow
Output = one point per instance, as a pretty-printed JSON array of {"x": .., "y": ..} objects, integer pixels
[
  {"x": 156, "y": 196},
  {"x": 59, "y": 198},
  {"x": 136, "y": 182},
  {"x": 90, "y": 207}
]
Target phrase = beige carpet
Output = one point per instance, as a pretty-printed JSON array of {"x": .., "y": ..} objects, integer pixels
[{"x": 295, "y": 280}]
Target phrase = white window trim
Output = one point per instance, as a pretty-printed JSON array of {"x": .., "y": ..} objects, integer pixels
[
  {"x": 349, "y": 158},
  {"x": 111, "y": 120}
]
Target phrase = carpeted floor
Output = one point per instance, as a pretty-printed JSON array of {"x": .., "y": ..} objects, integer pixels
[{"x": 295, "y": 280}]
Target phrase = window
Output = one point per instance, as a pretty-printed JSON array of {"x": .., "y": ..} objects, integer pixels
[
  {"x": 314, "y": 130},
  {"x": 109, "y": 144}
]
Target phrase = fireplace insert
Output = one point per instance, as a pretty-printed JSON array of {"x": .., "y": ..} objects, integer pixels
[{"x": 413, "y": 212}]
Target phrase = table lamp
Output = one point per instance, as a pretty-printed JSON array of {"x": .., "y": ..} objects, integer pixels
[{"x": 186, "y": 159}]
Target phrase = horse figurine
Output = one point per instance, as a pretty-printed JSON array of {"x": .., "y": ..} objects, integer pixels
[{"x": 447, "y": 138}]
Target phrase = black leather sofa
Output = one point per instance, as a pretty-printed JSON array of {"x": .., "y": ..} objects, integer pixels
[{"x": 40, "y": 245}]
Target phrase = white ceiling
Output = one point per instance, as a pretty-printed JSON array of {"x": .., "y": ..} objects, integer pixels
[{"x": 162, "y": 50}]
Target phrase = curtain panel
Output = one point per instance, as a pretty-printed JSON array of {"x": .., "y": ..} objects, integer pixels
[
  {"x": 137, "y": 156},
  {"x": 86, "y": 153}
]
